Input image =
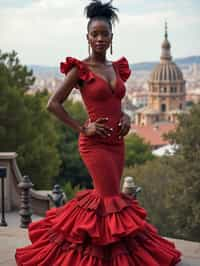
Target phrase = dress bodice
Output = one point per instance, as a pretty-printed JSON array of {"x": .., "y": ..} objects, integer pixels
[{"x": 99, "y": 99}]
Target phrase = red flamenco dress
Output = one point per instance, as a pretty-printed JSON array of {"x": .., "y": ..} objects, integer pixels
[{"x": 101, "y": 226}]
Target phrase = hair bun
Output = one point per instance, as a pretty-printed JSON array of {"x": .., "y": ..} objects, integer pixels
[{"x": 98, "y": 9}]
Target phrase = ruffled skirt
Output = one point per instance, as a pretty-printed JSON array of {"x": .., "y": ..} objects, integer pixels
[{"x": 91, "y": 230}]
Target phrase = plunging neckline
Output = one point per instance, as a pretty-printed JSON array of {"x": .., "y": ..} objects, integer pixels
[{"x": 112, "y": 88}]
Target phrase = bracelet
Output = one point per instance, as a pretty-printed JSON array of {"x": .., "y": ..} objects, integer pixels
[{"x": 83, "y": 129}]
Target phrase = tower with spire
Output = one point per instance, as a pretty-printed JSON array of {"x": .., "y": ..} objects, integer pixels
[
  {"x": 166, "y": 53},
  {"x": 166, "y": 97}
]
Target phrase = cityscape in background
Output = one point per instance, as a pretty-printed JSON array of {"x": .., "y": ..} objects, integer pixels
[
  {"x": 137, "y": 85},
  {"x": 157, "y": 92}
]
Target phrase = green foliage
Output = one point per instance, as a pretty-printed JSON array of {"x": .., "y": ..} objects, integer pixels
[
  {"x": 186, "y": 185},
  {"x": 70, "y": 191},
  {"x": 154, "y": 177},
  {"x": 39, "y": 151},
  {"x": 72, "y": 168},
  {"x": 187, "y": 135},
  {"x": 137, "y": 152},
  {"x": 13, "y": 73},
  {"x": 25, "y": 126},
  {"x": 184, "y": 197},
  {"x": 171, "y": 185}
]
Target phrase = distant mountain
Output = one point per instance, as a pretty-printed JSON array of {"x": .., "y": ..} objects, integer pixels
[
  {"x": 39, "y": 70},
  {"x": 181, "y": 62},
  {"x": 47, "y": 71}
]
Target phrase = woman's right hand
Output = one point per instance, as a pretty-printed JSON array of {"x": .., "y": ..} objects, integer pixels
[{"x": 97, "y": 127}]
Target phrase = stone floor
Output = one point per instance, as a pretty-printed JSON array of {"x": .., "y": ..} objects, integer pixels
[{"x": 13, "y": 236}]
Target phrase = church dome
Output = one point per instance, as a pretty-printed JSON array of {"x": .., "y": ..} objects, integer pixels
[{"x": 166, "y": 70}]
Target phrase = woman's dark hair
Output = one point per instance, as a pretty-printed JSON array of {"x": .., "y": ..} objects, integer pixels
[{"x": 104, "y": 11}]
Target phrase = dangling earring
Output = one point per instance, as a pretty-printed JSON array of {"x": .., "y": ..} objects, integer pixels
[
  {"x": 89, "y": 49},
  {"x": 111, "y": 49}
]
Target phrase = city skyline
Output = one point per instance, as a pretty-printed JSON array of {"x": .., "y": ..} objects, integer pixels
[{"x": 44, "y": 32}]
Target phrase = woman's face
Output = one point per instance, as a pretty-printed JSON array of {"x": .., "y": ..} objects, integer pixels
[{"x": 99, "y": 36}]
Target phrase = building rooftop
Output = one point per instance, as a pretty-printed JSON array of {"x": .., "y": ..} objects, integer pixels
[{"x": 153, "y": 134}]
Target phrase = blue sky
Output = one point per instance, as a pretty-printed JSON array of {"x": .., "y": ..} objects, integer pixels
[
  {"x": 14, "y": 3},
  {"x": 46, "y": 31}
]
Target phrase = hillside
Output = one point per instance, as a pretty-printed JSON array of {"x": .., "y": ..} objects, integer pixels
[
  {"x": 181, "y": 62},
  {"x": 143, "y": 66}
]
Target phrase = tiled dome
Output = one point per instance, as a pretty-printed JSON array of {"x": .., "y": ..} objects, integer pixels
[{"x": 166, "y": 71}]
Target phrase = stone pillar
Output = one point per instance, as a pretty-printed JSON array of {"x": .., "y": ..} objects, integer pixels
[
  {"x": 5, "y": 161},
  {"x": 57, "y": 197},
  {"x": 25, "y": 208},
  {"x": 129, "y": 187}
]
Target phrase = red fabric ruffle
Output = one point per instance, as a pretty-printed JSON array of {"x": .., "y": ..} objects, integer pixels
[
  {"x": 94, "y": 231},
  {"x": 70, "y": 62},
  {"x": 123, "y": 68},
  {"x": 87, "y": 75}
]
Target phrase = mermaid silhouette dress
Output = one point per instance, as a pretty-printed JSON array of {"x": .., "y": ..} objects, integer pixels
[{"x": 100, "y": 226}]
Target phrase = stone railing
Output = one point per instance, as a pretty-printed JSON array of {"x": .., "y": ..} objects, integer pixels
[
  {"x": 40, "y": 202},
  {"x": 20, "y": 195}
]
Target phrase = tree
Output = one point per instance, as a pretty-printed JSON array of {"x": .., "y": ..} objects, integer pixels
[
  {"x": 186, "y": 185},
  {"x": 15, "y": 74},
  {"x": 154, "y": 177},
  {"x": 39, "y": 153},
  {"x": 70, "y": 191},
  {"x": 187, "y": 134},
  {"x": 25, "y": 126},
  {"x": 137, "y": 152},
  {"x": 184, "y": 199},
  {"x": 72, "y": 168},
  {"x": 171, "y": 185}
]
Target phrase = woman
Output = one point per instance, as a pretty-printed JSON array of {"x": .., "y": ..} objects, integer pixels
[{"x": 99, "y": 227}]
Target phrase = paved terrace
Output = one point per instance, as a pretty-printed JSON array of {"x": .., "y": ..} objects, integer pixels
[{"x": 12, "y": 237}]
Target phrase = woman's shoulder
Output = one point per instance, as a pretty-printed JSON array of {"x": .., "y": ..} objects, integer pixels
[{"x": 71, "y": 62}]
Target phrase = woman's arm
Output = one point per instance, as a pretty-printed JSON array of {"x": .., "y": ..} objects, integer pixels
[
  {"x": 55, "y": 103},
  {"x": 124, "y": 124}
]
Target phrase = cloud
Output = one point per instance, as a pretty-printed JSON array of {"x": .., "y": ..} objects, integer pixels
[{"x": 45, "y": 31}]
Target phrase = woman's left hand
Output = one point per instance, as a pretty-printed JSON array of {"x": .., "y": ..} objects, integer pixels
[{"x": 124, "y": 124}]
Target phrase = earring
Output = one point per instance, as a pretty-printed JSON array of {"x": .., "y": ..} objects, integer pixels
[
  {"x": 89, "y": 49},
  {"x": 111, "y": 49}
]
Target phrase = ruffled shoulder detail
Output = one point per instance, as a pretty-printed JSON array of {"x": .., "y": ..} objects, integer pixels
[
  {"x": 123, "y": 68},
  {"x": 70, "y": 62}
]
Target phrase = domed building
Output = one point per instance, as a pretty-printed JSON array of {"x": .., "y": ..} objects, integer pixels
[{"x": 166, "y": 96}]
